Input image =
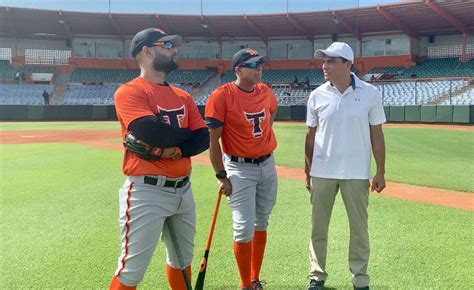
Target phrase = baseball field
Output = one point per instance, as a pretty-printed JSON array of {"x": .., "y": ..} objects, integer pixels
[{"x": 59, "y": 212}]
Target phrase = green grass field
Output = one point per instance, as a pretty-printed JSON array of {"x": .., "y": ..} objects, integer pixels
[
  {"x": 427, "y": 157},
  {"x": 58, "y": 215}
]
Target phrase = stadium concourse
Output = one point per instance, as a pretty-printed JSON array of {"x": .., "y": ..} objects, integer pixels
[{"x": 420, "y": 53}]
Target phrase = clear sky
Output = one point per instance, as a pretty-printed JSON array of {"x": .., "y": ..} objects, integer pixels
[{"x": 209, "y": 7}]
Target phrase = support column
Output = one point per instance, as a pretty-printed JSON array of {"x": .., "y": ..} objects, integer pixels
[{"x": 463, "y": 53}]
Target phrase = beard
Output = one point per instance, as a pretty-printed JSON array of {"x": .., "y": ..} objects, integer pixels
[{"x": 164, "y": 65}]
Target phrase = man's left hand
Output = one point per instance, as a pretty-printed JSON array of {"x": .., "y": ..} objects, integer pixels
[
  {"x": 378, "y": 183},
  {"x": 308, "y": 182}
]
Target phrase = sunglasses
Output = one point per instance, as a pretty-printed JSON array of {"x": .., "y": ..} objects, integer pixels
[
  {"x": 167, "y": 44},
  {"x": 254, "y": 65}
]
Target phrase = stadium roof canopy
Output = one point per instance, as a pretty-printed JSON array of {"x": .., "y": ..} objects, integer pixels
[{"x": 414, "y": 18}]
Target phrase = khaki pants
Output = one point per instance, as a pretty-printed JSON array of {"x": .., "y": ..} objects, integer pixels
[{"x": 355, "y": 193}]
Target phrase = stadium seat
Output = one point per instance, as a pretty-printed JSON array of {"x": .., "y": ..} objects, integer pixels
[
  {"x": 111, "y": 76},
  {"x": 464, "y": 98},
  {"x": 436, "y": 68},
  {"x": 6, "y": 71},
  {"x": 418, "y": 92},
  {"x": 315, "y": 76},
  {"x": 89, "y": 95},
  {"x": 14, "y": 94}
]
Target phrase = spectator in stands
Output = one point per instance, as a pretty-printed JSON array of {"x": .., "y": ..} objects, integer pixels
[
  {"x": 306, "y": 82},
  {"x": 372, "y": 78},
  {"x": 46, "y": 97},
  {"x": 295, "y": 81},
  {"x": 17, "y": 77},
  {"x": 413, "y": 75}
]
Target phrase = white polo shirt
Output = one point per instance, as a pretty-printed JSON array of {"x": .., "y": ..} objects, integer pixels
[{"x": 342, "y": 147}]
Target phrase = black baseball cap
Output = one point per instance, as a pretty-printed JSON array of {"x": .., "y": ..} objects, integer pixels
[
  {"x": 150, "y": 37},
  {"x": 247, "y": 55}
]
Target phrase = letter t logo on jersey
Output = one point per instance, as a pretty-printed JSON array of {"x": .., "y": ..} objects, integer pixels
[
  {"x": 256, "y": 119},
  {"x": 172, "y": 117}
]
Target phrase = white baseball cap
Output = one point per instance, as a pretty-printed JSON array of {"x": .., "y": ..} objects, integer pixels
[{"x": 336, "y": 49}]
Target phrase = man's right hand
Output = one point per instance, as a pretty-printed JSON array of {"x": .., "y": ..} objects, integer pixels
[
  {"x": 308, "y": 182},
  {"x": 225, "y": 187}
]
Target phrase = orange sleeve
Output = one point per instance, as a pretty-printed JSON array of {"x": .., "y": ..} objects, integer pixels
[
  {"x": 195, "y": 118},
  {"x": 131, "y": 103},
  {"x": 216, "y": 105}
]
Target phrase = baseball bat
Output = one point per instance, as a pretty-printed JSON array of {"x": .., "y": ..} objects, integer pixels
[
  {"x": 174, "y": 240},
  {"x": 202, "y": 271}
]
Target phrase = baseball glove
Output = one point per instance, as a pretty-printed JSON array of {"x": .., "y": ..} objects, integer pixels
[{"x": 141, "y": 149}]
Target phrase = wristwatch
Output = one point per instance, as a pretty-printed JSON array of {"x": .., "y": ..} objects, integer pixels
[{"x": 221, "y": 174}]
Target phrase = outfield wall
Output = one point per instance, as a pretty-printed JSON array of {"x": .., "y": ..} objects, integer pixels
[{"x": 399, "y": 114}]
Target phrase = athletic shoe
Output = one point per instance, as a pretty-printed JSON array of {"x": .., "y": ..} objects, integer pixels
[
  {"x": 315, "y": 285},
  {"x": 258, "y": 284}
]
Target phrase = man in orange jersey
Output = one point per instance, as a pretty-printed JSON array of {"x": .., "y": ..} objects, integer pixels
[
  {"x": 241, "y": 114},
  {"x": 157, "y": 192}
]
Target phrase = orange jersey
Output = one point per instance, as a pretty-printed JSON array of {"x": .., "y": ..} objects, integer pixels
[
  {"x": 139, "y": 98},
  {"x": 246, "y": 117}
]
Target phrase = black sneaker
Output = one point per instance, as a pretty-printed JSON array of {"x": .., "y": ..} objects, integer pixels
[
  {"x": 315, "y": 285},
  {"x": 361, "y": 288},
  {"x": 258, "y": 284}
]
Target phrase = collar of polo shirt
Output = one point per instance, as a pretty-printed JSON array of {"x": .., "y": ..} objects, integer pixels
[{"x": 355, "y": 82}]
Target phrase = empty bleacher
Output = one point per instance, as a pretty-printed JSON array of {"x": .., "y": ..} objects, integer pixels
[
  {"x": 387, "y": 69},
  {"x": 79, "y": 94},
  {"x": 202, "y": 99},
  {"x": 464, "y": 98},
  {"x": 90, "y": 75},
  {"x": 417, "y": 92},
  {"x": 408, "y": 92},
  {"x": 315, "y": 76},
  {"x": 6, "y": 71},
  {"x": 228, "y": 77},
  {"x": 89, "y": 94},
  {"x": 284, "y": 76},
  {"x": 436, "y": 68},
  {"x": 192, "y": 77},
  {"x": 15, "y": 94},
  {"x": 97, "y": 86},
  {"x": 81, "y": 75},
  {"x": 288, "y": 96},
  {"x": 430, "y": 68}
]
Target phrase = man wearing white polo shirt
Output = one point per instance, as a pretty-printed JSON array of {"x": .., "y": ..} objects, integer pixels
[{"x": 344, "y": 119}]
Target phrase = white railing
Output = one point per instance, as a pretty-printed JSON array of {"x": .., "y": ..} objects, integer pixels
[
  {"x": 47, "y": 56},
  {"x": 447, "y": 51}
]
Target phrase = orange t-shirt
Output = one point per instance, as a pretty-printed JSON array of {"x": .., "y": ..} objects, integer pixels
[
  {"x": 139, "y": 98},
  {"x": 246, "y": 117}
]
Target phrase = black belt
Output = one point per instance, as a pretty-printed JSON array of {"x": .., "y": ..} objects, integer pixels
[
  {"x": 168, "y": 183},
  {"x": 250, "y": 160}
]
